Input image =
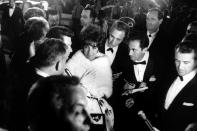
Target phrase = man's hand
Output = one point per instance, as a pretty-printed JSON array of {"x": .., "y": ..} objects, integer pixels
[{"x": 116, "y": 76}]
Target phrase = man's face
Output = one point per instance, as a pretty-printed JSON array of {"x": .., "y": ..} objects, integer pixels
[
  {"x": 152, "y": 21},
  {"x": 115, "y": 38},
  {"x": 184, "y": 62},
  {"x": 85, "y": 18},
  {"x": 11, "y": 3},
  {"x": 77, "y": 115},
  {"x": 90, "y": 51},
  {"x": 136, "y": 53},
  {"x": 68, "y": 42},
  {"x": 53, "y": 20}
]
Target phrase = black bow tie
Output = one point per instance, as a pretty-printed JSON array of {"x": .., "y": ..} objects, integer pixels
[
  {"x": 181, "y": 78},
  {"x": 110, "y": 49},
  {"x": 149, "y": 35},
  {"x": 142, "y": 62}
]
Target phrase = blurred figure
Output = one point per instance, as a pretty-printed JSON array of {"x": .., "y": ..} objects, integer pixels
[
  {"x": 58, "y": 103},
  {"x": 53, "y": 17},
  {"x": 76, "y": 15},
  {"x": 87, "y": 16},
  {"x": 12, "y": 25},
  {"x": 102, "y": 23}
]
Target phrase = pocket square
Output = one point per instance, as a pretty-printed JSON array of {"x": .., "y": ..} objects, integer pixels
[
  {"x": 152, "y": 78},
  {"x": 188, "y": 104}
]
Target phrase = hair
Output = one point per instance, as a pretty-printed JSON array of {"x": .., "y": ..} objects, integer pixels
[
  {"x": 160, "y": 13},
  {"x": 120, "y": 26},
  {"x": 142, "y": 37},
  {"x": 190, "y": 37},
  {"x": 93, "y": 13},
  {"x": 193, "y": 29},
  {"x": 34, "y": 11},
  {"x": 52, "y": 12},
  {"x": 38, "y": 27},
  {"x": 58, "y": 31},
  {"x": 92, "y": 34},
  {"x": 47, "y": 101},
  {"x": 48, "y": 52},
  {"x": 187, "y": 47}
]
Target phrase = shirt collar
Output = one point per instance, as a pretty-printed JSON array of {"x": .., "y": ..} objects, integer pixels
[
  {"x": 153, "y": 34},
  {"x": 114, "y": 48},
  {"x": 190, "y": 75},
  {"x": 41, "y": 73}
]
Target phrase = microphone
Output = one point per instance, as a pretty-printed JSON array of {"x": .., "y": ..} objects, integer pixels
[{"x": 147, "y": 122}]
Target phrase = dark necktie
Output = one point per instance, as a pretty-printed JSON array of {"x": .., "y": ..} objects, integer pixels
[
  {"x": 110, "y": 49},
  {"x": 142, "y": 62}
]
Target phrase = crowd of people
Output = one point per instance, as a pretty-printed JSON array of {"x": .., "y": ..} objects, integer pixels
[{"x": 127, "y": 73}]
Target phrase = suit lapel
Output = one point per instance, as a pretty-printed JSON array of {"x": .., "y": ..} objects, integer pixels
[
  {"x": 181, "y": 95},
  {"x": 149, "y": 69}
]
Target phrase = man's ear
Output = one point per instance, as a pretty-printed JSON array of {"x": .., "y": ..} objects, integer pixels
[{"x": 145, "y": 49}]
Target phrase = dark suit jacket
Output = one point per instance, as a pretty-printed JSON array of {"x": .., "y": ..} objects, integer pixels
[
  {"x": 12, "y": 26},
  {"x": 17, "y": 97},
  {"x": 183, "y": 109},
  {"x": 121, "y": 58},
  {"x": 162, "y": 49}
]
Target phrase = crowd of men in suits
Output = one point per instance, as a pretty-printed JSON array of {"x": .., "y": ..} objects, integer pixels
[{"x": 136, "y": 74}]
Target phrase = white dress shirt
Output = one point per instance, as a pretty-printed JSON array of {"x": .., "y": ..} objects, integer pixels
[
  {"x": 139, "y": 69},
  {"x": 11, "y": 11},
  {"x": 151, "y": 37},
  {"x": 176, "y": 87},
  {"x": 109, "y": 54}
]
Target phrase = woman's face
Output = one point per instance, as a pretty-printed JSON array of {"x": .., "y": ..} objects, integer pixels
[{"x": 90, "y": 51}]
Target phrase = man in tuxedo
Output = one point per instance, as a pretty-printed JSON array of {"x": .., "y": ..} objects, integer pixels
[
  {"x": 140, "y": 77},
  {"x": 180, "y": 99},
  {"x": 159, "y": 41},
  {"x": 115, "y": 48}
]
